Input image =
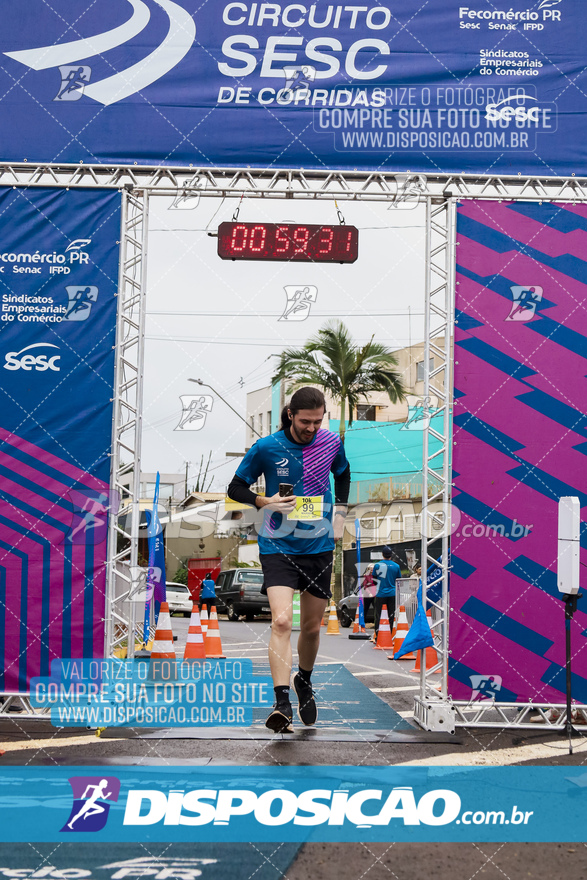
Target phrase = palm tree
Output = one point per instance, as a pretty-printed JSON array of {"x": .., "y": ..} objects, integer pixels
[{"x": 347, "y": 371}]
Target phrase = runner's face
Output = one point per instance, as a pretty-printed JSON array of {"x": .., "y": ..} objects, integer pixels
[{"x": 306, "y": 423}]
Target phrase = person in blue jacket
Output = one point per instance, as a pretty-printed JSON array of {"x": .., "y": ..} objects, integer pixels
[
  {"x": 296, "y": 550},
  {"x": 208, "y": 592},
  {"x": 385, "y": 573}
]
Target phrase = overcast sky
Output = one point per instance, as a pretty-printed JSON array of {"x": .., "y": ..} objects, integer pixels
[{"x": 217, "y": 320}]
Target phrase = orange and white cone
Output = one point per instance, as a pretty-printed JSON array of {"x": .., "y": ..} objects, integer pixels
[
  {"x": 431, "y": 655},
  {"x": 394, "y": 628},
  {"x": 333, "y": 628},
  {"x": 356, "y": 627},
  {"x": 204, "y": 620},
  {"x": 212, "y": 641},
  {"x": 401, "y": 632},
  {"x": 163, "y": 642},
  {"x": 383, "y": 642},
  {"x": 194, "y": 647}
]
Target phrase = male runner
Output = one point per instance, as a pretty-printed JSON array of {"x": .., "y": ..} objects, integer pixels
[{"x": 296, "y": 553}]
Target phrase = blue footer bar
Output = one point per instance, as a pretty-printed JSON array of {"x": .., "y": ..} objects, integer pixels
[{"x": 297, "y": 804}]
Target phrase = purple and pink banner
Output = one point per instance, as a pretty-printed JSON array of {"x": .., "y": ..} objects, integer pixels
[
  {"x": 59, "y": 256},
  {"x": 520, "y": 432}
]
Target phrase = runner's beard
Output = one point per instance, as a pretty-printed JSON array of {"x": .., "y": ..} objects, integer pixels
[{"x": 304, "y": 436}]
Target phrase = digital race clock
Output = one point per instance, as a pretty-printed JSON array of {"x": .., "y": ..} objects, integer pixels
[{"x": 290, "y": 242}]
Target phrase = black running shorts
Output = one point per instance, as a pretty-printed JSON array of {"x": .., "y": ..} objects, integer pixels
[{"x": 304, "y": 573}]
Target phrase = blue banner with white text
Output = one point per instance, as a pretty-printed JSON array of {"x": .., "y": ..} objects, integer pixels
[
  {"x": 59, "y": 255},
  {"x": 289, "y": 804},
  {"x": 480, "y": 86}
]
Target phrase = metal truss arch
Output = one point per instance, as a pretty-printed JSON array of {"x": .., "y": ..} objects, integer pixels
[
  {"x": 434, "y": 708},
  {"x": 292, "y": 183}
]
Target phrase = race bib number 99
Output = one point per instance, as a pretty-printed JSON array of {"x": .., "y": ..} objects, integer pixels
[{"x": 307, "y": 508}]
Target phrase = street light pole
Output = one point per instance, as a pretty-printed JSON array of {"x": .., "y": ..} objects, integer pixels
[{"x": 205, "y": 385}]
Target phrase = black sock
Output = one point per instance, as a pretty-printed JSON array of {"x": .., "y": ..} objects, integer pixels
[
  {"x": 281, "y": 694},
  {"x": 305, "y": 675}
]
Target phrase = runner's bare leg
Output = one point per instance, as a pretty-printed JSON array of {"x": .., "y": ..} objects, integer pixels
[
  {"x": 311, "y": 613},
  {"x": 281, "y": 604}
]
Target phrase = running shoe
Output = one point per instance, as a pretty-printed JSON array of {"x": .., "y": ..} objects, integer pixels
[
  {"x": 307, "y": 711},
  {"x": 280, "y": 719}
]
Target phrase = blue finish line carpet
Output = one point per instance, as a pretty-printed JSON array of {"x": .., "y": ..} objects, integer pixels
[
  {"x": 347, "y": 711},
  {"x": 175, "y": 861},
  {"x": 343, "y": 702}
]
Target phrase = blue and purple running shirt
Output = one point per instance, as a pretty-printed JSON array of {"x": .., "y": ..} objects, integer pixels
[{"x": 307, "y": 467}]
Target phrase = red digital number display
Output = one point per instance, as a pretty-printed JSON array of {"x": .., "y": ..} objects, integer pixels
[{"x": 288, "y": 242}]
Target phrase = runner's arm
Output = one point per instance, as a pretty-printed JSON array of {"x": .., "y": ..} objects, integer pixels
[
  {"x": 342, "y": 485},
  {"x": 248, "y": 472},
  {"x": 239, "y": 491}
]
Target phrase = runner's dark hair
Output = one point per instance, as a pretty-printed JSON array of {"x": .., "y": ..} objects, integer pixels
[{"x": 303, "y": 398}]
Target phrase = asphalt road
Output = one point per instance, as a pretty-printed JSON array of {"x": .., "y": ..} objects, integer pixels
[{"x": 262, "y": 861}]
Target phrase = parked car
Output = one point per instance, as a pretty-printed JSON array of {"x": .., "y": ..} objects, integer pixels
[
  {"x": 179, "y": 598},
  {"x": 347, "y": 609},
  {"x": 238, "y": 591}
]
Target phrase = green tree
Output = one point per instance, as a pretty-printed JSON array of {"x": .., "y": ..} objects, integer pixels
[
  {"x": 181, "y": 575},
  {"x": 347, "y": 371}
]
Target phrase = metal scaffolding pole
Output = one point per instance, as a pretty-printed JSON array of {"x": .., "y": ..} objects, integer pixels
[
  {"x": 123, "y": 537},
  {"x": 431, "y": 709}
]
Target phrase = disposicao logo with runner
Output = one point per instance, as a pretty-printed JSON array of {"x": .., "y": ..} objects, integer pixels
[{"x": 91, "y": 796}]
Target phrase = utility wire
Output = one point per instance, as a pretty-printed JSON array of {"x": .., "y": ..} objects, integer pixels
[
  {"x": 285, "y": 343},
  {"x": 403, "y": 312}
]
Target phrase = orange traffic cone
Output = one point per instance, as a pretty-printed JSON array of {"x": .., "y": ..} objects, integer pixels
[
  {"x": 394, "y": 628},
  {"x": 333, "y": 628},
  {"x": 194, "y": 647},
  {"x": 204, "y": 620},
  {"x": 163, "y": 642},
  {"x": 431, "y": 660},
  {"x": 163, "y": 662},
  {"x": 359, "y": 632},
  {"x": 384, "y": 632},
  {"x": 212, "y": 641},
  {"x": 431, "y": 655},
  {"x": 401, "y": 632}
]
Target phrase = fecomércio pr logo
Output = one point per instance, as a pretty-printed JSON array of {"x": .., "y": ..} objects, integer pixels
[{"x": 91, "y": 802}]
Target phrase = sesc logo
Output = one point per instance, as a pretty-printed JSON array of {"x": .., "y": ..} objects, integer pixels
[
  {"x": 506, "y": 111},
  {"x": 40, "y": 362}
]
